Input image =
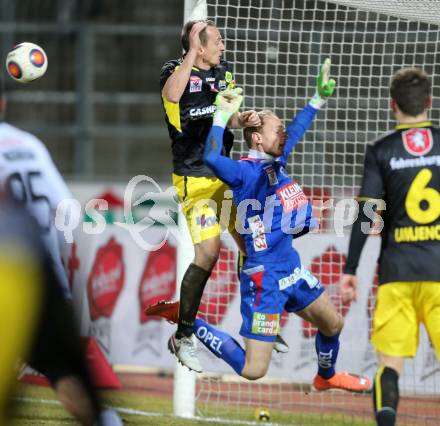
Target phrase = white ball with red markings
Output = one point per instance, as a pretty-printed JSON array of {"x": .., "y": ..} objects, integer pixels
[{"x": 26, "y": 62}]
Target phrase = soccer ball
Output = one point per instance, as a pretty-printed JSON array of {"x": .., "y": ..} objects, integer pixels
[
  {"x": 262, "y": 414},
  {"x": 26, "y": 62}
]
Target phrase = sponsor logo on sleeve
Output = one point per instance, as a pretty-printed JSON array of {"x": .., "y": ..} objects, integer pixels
[
  {"x": 258, "y": 235},
  {"x": 195, "y": 84},
  {"x": 417, "y": 141},
  {"x": 265, "y": 324},
  {"x": 292, "y": 196}
]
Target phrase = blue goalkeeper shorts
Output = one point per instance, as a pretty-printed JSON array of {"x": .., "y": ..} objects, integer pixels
[{"x": 269, "y": 289}]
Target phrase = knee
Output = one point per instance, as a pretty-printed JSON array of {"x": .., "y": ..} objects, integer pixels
[
  {"x": 207, "y": 259},
  {"x": 251, "y": 372},
  {"x": 334, "y": 326},
  {"x": 253, "y": 375}
]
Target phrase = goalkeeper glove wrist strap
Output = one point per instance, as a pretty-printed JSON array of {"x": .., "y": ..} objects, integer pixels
[
  {"x": 317, "y": 101},
  {"x": 221, "y": 119}
]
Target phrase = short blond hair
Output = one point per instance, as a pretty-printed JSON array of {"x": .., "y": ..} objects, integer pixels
[{"x": 186, "y": 30}]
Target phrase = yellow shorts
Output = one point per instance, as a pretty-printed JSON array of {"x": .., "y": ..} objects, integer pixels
[
  {"x": 400, "y": 308},
  {"x": 20, "y": 302},
  {"x": 206, "y": 204}
]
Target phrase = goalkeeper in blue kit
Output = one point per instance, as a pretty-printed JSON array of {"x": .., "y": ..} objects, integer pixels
[{"x": 273, "y": 210}]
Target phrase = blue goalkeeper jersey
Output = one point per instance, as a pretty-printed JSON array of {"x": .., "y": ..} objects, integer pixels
[{"x": 271, "y": 207}]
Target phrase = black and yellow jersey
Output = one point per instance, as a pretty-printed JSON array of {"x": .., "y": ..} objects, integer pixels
[
  {"x": 190, "y": 120},
  {"x": 403, "y": 169}
]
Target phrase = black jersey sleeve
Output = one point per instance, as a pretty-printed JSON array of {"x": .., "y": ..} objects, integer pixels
[
  {"x": 166, "y": 71},
  {"x": 372, "y": 187},
  {"x": 372, "y": 181},
  {"x": 357, "y": 241}
]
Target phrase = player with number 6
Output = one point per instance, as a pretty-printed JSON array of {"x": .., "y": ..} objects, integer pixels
[{"x": 402, "y": 178}]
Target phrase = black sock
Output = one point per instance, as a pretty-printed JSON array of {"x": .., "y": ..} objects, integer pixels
[
  {"x": 191, "y": 292},
  {"x": 386, "y": 396}
]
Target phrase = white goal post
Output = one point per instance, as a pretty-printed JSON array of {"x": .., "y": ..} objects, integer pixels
[{"x": 276, "y": 47}]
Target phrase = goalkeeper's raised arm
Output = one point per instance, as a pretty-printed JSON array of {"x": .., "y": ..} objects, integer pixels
[
  {"x": 325, "y": 87},
  {"x": 228, "y": 102}
]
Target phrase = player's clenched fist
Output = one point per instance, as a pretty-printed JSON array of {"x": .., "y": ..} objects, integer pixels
[
  {"x": 348, "y": 288},
  {"x": 228, "y": 103}
]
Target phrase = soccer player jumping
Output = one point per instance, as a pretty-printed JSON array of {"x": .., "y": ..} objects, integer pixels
[
  {"x": 274, "y": 210},
  {"x": 189, "y": 87}
]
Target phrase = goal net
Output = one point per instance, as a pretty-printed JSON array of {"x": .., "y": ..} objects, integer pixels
[{"x": 276, "y": 48}]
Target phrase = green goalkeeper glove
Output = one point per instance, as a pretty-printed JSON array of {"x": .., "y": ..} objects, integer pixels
[
  {"x": 324, "y": 86},
  {"x": 228, "y": 103}
]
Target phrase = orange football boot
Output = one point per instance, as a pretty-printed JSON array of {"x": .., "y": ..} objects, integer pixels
[{"x": 344, "y": 381}]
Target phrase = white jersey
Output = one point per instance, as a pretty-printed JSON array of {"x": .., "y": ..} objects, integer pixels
[{"x": 28, "y": 172}]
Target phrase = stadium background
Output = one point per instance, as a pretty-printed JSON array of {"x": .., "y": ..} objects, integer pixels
[
  {"x": 98, "y": 108},
  {"x": 98, "y": 111}
]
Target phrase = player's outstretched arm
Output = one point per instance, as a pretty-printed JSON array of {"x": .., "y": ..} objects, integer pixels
[
  {"x": 227, "y": 102},
  {"x": 325, "y": 87}
]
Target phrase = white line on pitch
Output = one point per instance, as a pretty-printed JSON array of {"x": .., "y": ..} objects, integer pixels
[{"x": 141, "y": 413}]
